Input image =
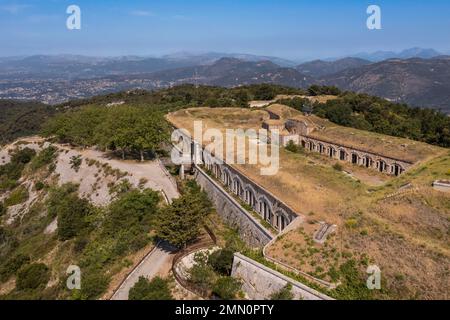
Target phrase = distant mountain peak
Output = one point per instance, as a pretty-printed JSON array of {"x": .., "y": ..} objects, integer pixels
[{"x": 415, "y": 52}]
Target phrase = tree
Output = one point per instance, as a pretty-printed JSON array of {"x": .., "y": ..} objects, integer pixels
[
  {"x": 12, "y": 265},
  {"x": 72, "y": 212},
  {"x": 265, "y": 92},
  {"x": 33, "y": 276},
  {"x": 222, "y": 261},
  {"x": 284, "y": 293},
  {"x": 150, "y": 131},
  {"x": 129, "y": 220},
  {"x": 292, "y": 147},
  {"x": 180, "y": 222},
  {"x": 23, "y": 156},
  {"x": 201, "y": 274},
  {"x": 93, "y": 283},
  {"x": 156, "y": 289},
  {"x": 227, "y": 288}
]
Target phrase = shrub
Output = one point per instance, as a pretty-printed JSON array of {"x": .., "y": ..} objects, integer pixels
[
  {"x": 93, "y": 284},
  {"x": 351, "y": 223},
  {"x": 2, "y": 209},
  {"x": 32, "y": 276},
  {"x": 18, "y": 196},
  {"x": 80, "y": 244},
  {"x": 39, "y": 186},
  {"x": 222, "y": 261},
  {"x": 72, "y": 216},
  {"x": 12, "y": 265},
  {"x": 353, "y": 285},
  {"x": 227, "y": 288},
  {"x": 133, "y": 212},
  {"x": 284, "y": 293},
  {"x": 75, "y": 163},
  {"x": 292, "y": 147},
  {"x": 338, "y": 167},
  {"x": 201, "y": 274},
  {"x": 156, "y": 289},
  {"x": 121, "y": 188},
  {"x": 23, "y": 156},
  {"x": 45, "y": 157}
]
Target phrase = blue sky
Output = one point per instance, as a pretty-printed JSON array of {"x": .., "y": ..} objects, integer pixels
[{"x": 295, "y": 29}]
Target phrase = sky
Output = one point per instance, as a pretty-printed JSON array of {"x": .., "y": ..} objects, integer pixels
[{"x": 293, "y": 29}]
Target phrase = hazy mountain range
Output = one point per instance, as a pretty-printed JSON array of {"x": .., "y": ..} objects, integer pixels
[{"x": 417, "y": 76}]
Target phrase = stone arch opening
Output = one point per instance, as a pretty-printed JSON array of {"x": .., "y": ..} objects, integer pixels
[
  {"x": 303, "y": 143},
  {"x": 238, "y": 187},
  {"x": 265, "y": 209},
  {"x": 226, "y": 178},
  {"x": 382, "y": 166},
  {"x": 398, "y": 169},
  {"x": 355, "y": 158},
  {"x": 216, "y": 170},
  {"x": 250, "y": 196},
  {"x": 321, "y": 148},
  {"x": 368, "y": 162},
  {"x": 281, "y": 220},
  {"x": 342, "y": 155},
  {"x": 331, "y": 152}
]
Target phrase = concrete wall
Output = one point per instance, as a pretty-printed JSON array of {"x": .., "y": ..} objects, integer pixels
[
  {"x": 260, "y": 282},
  {"x": 232, "y": 212}
]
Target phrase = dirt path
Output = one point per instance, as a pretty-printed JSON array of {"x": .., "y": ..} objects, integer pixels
[{"x": 150, "y": 170}]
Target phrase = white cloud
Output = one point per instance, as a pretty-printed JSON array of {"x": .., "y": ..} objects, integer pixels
[
  {"x": 14, "y": 8},
  {"x": 181, "y": 17},
  {"x": 142, "y": 13}
]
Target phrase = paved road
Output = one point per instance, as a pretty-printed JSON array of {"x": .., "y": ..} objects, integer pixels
[{"x": 157, "y": 261}]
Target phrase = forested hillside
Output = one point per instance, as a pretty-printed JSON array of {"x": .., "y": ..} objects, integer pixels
[
  {"x": 360, "y": 111},
  {"x": 365, "y": 112},
  {"x": 22, "y": 118}
]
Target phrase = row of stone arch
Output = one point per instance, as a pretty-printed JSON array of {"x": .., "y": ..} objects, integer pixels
[
  {"x": 354, "y": 157},
  {"x": 260, "y": 203}
]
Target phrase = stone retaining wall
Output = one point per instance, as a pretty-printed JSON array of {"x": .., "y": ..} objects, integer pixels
[{"x": 260, "y": 282}]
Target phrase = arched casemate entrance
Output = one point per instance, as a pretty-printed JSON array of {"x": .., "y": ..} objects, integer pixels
[
  {"x": 226, "y": 178},
  {"x": 250, "y": 197},
  {"x": 265, "y": 209},
  {"x": 281, "y": 220},
  {"x": 332, "y": 152},
  {"x": 321, "y": 148},
  {"x": 216, "y": 170},
  {"x": 238, "y": 187},
  {"x": 355, "y": 158},
  {"x": 342, "y": 155},
  {"x": 368, "y": 162},
  {"x": 398, "y": 169},
  {"x": 382, "y": 166}
]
